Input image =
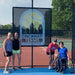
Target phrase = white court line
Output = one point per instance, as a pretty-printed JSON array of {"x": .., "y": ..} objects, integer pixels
[{"x": 44, "y": 48}]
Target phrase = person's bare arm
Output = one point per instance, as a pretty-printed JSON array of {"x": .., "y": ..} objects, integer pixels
[
  {"x": 12, "y": 38},
  {"x": 56, "y": 53},
  {"x": 20, "y": 45},
  {"x": 68, "y": 56},
  {"x": 4, "y": 44}
]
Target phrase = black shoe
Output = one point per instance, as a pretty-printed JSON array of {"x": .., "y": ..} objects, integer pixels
[
  {"x": 61, "y": 70},
  {"x": 20, "y": 68},
  {"x": 14, "y": 68},
  {"x": 57, "y": 70}
]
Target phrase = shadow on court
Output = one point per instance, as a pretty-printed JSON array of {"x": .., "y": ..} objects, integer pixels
[{"x": 35, "y": 71}]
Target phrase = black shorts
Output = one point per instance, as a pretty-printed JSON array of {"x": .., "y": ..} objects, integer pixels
[
  {"x": 8, "y": 54},
  {"x": 52, "y": 53}
]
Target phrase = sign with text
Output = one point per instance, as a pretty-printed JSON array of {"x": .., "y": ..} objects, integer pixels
[{"x": 33, "y": 25}]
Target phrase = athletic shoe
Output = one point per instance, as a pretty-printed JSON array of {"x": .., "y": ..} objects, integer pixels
[
  {"x": 20, "y": 68},
  {"x": 49, "y": 67},
  {"x": 6, "y": 71},
  {"x": 9, "y": 71},
  {"x": 57, "y": 70},
  {"x": 61, "y": 70}
]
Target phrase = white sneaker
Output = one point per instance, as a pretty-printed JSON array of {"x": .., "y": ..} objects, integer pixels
[
  {"x": 6, "y": 71},
  {"x": 49, "y": 67},
  {"x": 9, "y": 71}
]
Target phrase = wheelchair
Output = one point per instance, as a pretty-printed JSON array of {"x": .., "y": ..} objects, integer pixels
[{"x": 69, "y": 65}]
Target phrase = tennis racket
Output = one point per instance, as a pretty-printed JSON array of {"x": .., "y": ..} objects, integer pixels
[{"x": 70, "y": 65}]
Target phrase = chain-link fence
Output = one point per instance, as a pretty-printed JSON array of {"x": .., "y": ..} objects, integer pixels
[{"x": 40, "y": 58}]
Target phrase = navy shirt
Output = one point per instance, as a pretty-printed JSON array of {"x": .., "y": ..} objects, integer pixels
[{"x": 63, "y": 52}]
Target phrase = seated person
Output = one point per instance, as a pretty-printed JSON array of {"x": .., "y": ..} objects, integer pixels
[{"x": 63, "y": 55}]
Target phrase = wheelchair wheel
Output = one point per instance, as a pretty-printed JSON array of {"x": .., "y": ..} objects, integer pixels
[
  {"x": 70, "y": 65},
  {"x": 54, "y": 63}
]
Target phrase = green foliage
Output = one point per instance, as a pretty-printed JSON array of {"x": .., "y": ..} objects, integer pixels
[
  {"x": 62, "y": 14},
  {"x": 8, "y": 26}
]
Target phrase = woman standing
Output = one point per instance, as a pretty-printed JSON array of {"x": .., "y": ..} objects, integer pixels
[
  {"x": 16, "y": 50},
  {"x": 51, "y": 51},
  {"x": 7, "y": 47}
]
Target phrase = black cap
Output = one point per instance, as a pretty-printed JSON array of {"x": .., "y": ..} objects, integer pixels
[{"x": 55, "y": 40}]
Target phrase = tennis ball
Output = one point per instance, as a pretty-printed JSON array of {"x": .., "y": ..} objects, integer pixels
[{"x": 69, "y": 63}]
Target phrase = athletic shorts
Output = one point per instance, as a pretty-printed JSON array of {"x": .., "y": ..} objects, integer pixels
[
  {"x": 52, "y": 53},
  {"x": 15, "y": 51},
  {"x": 8, "y": 54}
]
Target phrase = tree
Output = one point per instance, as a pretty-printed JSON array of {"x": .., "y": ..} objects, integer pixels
[
  {"x": 62, "y": 14},
  {"x": 8, "y": 26}
]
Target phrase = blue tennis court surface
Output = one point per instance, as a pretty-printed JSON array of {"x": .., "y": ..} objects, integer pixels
[{"x": 34, "y": 71}]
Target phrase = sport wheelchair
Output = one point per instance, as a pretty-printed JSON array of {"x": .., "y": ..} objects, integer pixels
[{"x": 69, "y": 64}]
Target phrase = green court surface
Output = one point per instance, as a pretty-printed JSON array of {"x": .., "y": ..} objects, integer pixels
[
  {"x": 1, "y": 43},
  {"x": 67, "y": 44}
]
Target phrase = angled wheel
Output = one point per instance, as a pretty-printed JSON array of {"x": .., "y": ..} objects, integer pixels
[{"x": 54, "y": 63}]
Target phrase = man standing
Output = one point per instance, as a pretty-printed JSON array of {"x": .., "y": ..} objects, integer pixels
[{"x": 51, "y": 50}]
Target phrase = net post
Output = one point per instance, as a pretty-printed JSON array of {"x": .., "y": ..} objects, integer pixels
[
  {"x": 32, "y": 56},
  {"x": 32, "y": 41},
  {"x": 50, "y": 24},
  {"x": 13, "y": 21}
]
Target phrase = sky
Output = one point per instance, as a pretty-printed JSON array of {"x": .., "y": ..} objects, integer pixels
[{"x": 6, "y": 8}]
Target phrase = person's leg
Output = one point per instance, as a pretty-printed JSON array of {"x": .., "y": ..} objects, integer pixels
[
  {"x": 13, "y": 58},
  {"x": 19, "y": 59},
  {"x": 52, "y": 57},
  {"x": 61, "y": 64},
  {"x": 7, "y": 63},
  {"x": 58, "y": 64},
  {"x": 65, "y": 63},
  {"x": 50, "y": 60}
]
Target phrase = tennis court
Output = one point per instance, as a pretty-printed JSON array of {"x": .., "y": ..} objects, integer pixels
[
  {"x": 40, "y": 59},
  {"x": 26, "y": 21}
]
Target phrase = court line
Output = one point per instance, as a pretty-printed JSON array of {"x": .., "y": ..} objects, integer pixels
[{"x": 44, "y": 48}]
